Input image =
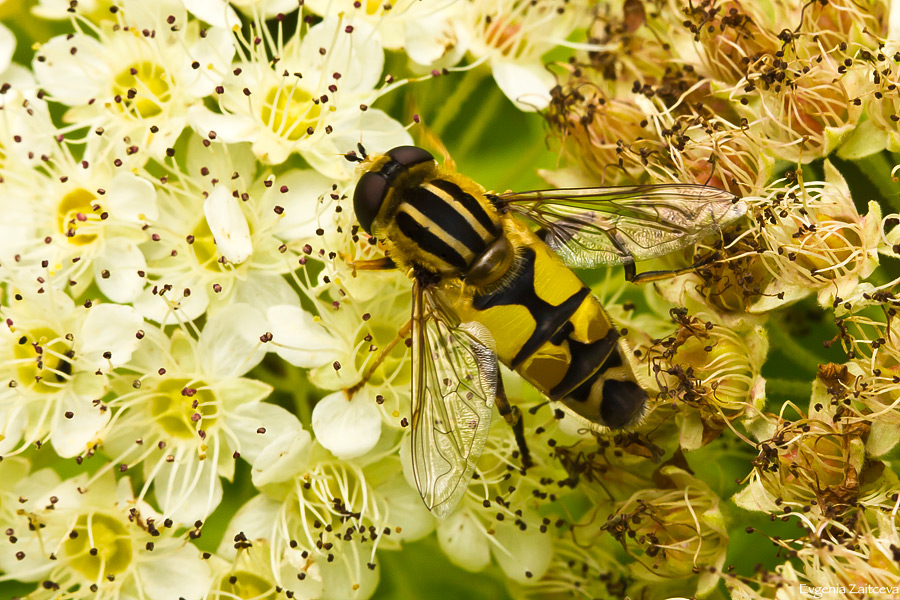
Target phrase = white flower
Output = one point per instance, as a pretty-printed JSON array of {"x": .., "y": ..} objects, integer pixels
[
  {"x": 78, "y": 221},
  {"x": 513, "y": 35},
  {"x": 96, "y": 540},
  {"x": 327, "y": 520},
  {"x": 189, "y": 412},
  {"x": 429, "y": 32},
  {"x": 57, "y": 357},
  {"x": 225, "y": 235},
  {"x": 137, "y": 78},
  {"x": 365, "y": 322},
  {"x": 314, "y": 100}
]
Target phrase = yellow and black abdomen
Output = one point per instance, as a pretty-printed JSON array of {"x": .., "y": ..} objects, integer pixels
[{"x": 549, "y": 327}]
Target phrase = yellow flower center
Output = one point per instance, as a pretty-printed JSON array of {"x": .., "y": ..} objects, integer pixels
[
  {"x": 204, "y": 246},
  {"x": 290, "y": 112},
  {"x": 182, "y": 406},
  {"x": 99, "y": 546},
  {"x": 246, "y": 585},
  {"x": 373, "y": 7},
  {"x": 42, "y": 358},
  {"x": 76, "y": 216},
  {"x": 143, "y": 88}
]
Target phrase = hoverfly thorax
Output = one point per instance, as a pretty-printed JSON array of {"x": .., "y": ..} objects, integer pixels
[{"x": 432, "y": 219}]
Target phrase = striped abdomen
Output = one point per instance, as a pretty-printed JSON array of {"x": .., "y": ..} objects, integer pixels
[
  {"x": 443, "y": 225},
  {"x": 551, "y": 329}
]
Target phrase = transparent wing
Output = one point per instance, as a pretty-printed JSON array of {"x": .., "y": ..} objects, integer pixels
[
  {"x": 618, "y": 225},
  {"x": 453, "y": 389}
]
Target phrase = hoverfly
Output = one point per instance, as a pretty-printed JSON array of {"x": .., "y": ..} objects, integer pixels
[{"x": 488, "y": 286}]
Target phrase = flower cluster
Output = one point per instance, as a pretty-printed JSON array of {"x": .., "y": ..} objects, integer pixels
[
  {"x": 207, "y": 393},
  {"x": 790, "y": 106}
]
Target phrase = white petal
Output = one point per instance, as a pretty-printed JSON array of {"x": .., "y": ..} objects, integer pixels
[
  {"x": 72, "y": 77},
  {"x": 7, "y": 47},
  {"x": 12, "y": 424},
  {"x": 229, "y": 345},
  {"x": 376, "y": 129},
  {"x": 108, "y": 328},
  {"x": 434, "y": 37},
  {"x": 258, "y": 425},
  {"x": 263, "y": 290},
  {"x": 348, "y": 577},
  {"x": 215, "y": 12},
  {"x": 213, "y": 53},
  {"x": 131, "y": 198},
  {"x": 528, "y": 86},
  {"x": 254, "y": 519},
  {"x": 406, "y": 509},
  {"x": 298, "y": 339},
  {"x": 58, "y": 9},
  {"x": 463, "y": 541},
  {"x": 283, "y": 459},
  {"x": 303, "y": 213},
  {"x": 188, "y": 489},
  {"x": 228, "y": 225},
  {"x": 228, "y": 128},
  {"x": 121, "y": 260},
  {"x": 312, "y": 586},
  {"x": 179, "y": 573},
  {"x": 357, "y": 56},
  {"x": 74, "y": 435},
  {"x": 523, "y": 555},
  {"x": 159, "y": 308},
  {"x": 265, "y": 8},
  {"x": 18, "y": 228},
  {"x": 348, "y": 428}
]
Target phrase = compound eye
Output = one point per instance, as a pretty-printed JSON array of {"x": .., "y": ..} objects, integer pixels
[
  {"x": 410, "y": 155},
  {"x": 368, "y": 197}
]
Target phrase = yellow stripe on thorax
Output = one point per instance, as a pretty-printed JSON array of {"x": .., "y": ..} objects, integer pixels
[
  {"x": 470, "y": 218},
  {"x": 437, "y": 230}
]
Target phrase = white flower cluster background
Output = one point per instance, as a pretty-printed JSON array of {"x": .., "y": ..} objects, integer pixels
[{"x": 182, "y": 319}]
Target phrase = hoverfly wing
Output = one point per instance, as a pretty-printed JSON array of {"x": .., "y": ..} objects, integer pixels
[
  {"x": 454, "y": 384},
  {"x": 619, "y": 225}
]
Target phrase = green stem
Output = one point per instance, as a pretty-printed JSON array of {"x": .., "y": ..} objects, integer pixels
[
  {"x": 450, "y": 106},
  {"x": 796, "y": 353},
  {"x": 790, "y": 388},
  {"x": 474, "y": 130},
  {"x": 298, "y": 381}
]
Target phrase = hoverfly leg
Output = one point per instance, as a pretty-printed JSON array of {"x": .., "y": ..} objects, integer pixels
[
  {"x": 633, "y": 276},
  {"x": 385, "y": 263},
  {"x": 513, "y": 417},
  {"x": 402, "y": 334},
  {"x": 631, "y": 273},
  {"x": 650, "y": 276}
]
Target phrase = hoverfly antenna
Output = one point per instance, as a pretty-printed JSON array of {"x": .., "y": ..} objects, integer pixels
[
  {"x": 353, "y": 157},
  {"x": 362, "y": 150}
]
